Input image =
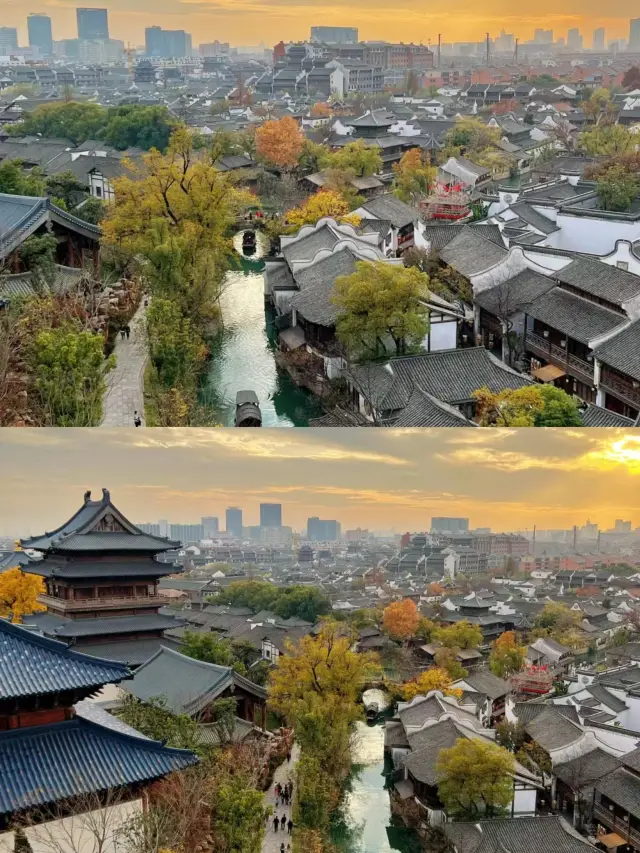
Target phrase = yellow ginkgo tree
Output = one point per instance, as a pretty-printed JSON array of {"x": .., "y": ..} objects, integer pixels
[{"x": 19, "y": 593}]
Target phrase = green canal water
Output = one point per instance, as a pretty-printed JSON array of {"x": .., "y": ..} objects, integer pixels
[
  {"x": 364, "y": 823},
  {"x": 243, "y": 352}
]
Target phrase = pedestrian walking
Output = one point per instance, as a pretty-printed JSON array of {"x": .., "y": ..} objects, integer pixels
[
  {"x": 289, "y": 757},
  {"x": 137, "y": 420},
  {"x": 283, "y": 822},
  {"x": 278, "y": 789},
  {"x": 276, "y": 823},
  {"x": 288, "y": 848},
  {"x": 290, "y": 787},
  {"x": 282, "y": 847},
  {"x": 127, "y": 331},
  {"x": 122, "y": 333},
  {"x": 290, "y": 825}
]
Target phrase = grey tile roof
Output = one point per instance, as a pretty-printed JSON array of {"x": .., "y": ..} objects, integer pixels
[
  {"x": 141, "y": 567},
  {"x": 130, "y": 652},
  {"x": 622, "y": 351},
  {"x": 602, "y": 280},
  {"x": 515, "y": 294},
  {"x": 596, "y": 416},
  {"x": 115, "y": 625},
  {"x": 440, "y": 236},
  {"x": 517, "y": 835},
  {"x": 388, "y": 207},
  {"x": 316, "y": 287},
  {"x": 421, "y": 764},
  {"x": 424, "y": 410},
  {"x": 20, "y": 216},
  {"x": 532, "y": 217},
  {"x": 623, "y": 788},
  {"x": 604, "y": 697},
  {"x": 552, "y": 730},
  {"x": 574, "y": 316},
  {"x": 307, "y": 248},
  {"x": 486, "y": 682},
  {"x": 470, "y": 253}
]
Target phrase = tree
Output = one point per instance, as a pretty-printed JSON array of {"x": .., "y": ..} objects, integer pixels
[
  {"x": 65, "y": 189},
  {"x": 430, "y": 679},
  {"x": 435, "y": 588},
  {"x": 136, "y": 126},
  {"x": 425, "y": 629},
  {"x": 531, "y": 405},
  {"x": 92, "y": 210},
  {"x": 304, "y": 602},
  {"x": 631, "y": 78},
  {"x": 175, "y": 348},
  {"x": 74, "y": 121},
  {"x": 413, "y": 176},
  {"x": 599, "y": 107},
  {"x": 280, "y": 142},
  {"x": 321, "y": 109},
  {"x": 363, "y": 159},
  {"x": 506, "y": 656},
  {"x": 153, "y": 719},
  {"x": 316, "y": 795},
  {"x": 400, "y": 619},
  {"x": 207, "y": 647},
  {"x": 313, "y": 157},
  {"x": 532, "y": 756},
  {"x": 447, "y": 659},
  {"x": 608, "y": 140},
  {"x": 69, "y": 370},
  {"x": 15, "y": 181},
  {"x": 475, "y": 777},
  {"x": 461, "y": 635},
  {"x": 321, "y": 204},
  {"x": 381, "y": 301},
  {"x": 19, "y": 593},
  {"x": 617, "y": 189},
  {"x": 509, "y": 735},
  {"x": 239, "y": 817}
]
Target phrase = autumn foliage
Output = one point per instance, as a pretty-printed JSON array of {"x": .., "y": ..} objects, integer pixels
[
  {"x": 280, "y": 142},
  {"x": 323, "y": 203},
  {"x": 19, "y": 594},
  {"x": 430, "y": 679},
  {"x": 401, "y": 619}
]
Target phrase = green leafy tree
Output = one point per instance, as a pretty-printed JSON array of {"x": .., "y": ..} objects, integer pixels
[
  {"x": 607, "y": 140},
  {"x": 364, "y": 160},
  {"x": 69, "y": 376},
  {"x": 74, "y": 121},
  {"x": 304, "y": 602},
  {"x": 378, "y": 302},
  {"x": 510, "y": 735},
  {"x": 93, "y": 211},
  {"x": 531, "y": 405},
  {"x": 461, "y": 635},
  {"x": 316, "y": 795},
  {"x": 175, "y": 348},
  {"x": 617, "y": 189},
  {"x": 475, "y": 778},
  {"x": 413, "y": 177},
  {"x": 445, "y": 658},
  {"x": 239, "y": 817},
  {"x": 154, "y": 720},
  {"x": 207, "y": 647},
  {"x": 134, "y": 126},
  {"x": 15, "y": 181},
  {"x": 65, "y": 189},
  {"x": 506, "y": 656}
]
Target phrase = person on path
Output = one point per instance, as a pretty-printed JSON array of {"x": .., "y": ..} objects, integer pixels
[
  {"x": 127, "y": 331},
  {"x": 276, "y": 823},
  {"x": 290, "y": 784},
  {"x": 285, "y": 796},
  {"x": 288, "y": 848},
  {"x": 290, "y": 825},
  {"x": 283, "y": 822},
  {"x": 137, "y": 420},
  {"x": 122, "y": 333},
  {"x": 289, "y": 757},
  {"x": 278, "y": 789},
  {"x": 282, "y": 847}
]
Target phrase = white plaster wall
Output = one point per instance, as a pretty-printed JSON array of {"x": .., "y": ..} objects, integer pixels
[
  {"x": 442, "y": 336},
  {"x": 91, "y": 832},
  {"x": 524, "y": 802},
  {"x": 593, "y": 236}
]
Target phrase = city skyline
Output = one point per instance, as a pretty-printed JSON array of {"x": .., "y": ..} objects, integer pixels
[
  {"x": 381, "y": 480},
  {"x": 253, "y": 21}
]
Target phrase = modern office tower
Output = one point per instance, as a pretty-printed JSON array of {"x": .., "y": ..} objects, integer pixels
[
  {"x": 92, "y": 23},
  {"x": 188, "y": 534},
  {"x": 167, "y": 43},
  {"x": 270, "y": 515},
  {"x": 335, "y": 35},
  {"x": 233, "y": 525},
  {"x": 622, "y": 526},
  {"x": 634, "y": 34},
  {"x": 40, "y": 34},
  {"x": 8, "y": 40},
  {"x": 599, "y": 39},
  {"x": 449, "y": 525},
  {"x": 323, "y": 530},
  {"x": 210, "y": 526},
  {"x": 543, "y": 36},
  {"x": 574, "y": 39},
  {"x": 151, "y": 529}
]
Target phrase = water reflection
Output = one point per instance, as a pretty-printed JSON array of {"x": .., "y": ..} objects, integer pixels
[
  {"x": 365, "y": 823},
  {"x": 243, "y": 352}
]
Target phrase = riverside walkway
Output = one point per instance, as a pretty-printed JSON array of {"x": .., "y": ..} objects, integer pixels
[{"x": 125, "y": 393}]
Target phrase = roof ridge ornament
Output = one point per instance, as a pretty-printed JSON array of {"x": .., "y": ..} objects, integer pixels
[
  {"x": 87, "y": 496},
  {"x": 106, "y": 497}
]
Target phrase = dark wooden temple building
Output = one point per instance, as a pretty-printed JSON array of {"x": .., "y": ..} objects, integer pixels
[
  {"x": 58, "y": 765},
  {"x": 101, "y": 576}
]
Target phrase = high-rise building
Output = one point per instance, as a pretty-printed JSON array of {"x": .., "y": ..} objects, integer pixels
[
  {"x": 634, "y": 34},
  {"x": 92, "y": 23},
  {"x": 270, "y": 515},
  {"x": 8, "y": 40},
  {"x": 188, "y": 534},
  {"x": 335, "y": 35},
  {"x": 599, "y": 39},
  {"x": 574, "y": 39},
  {"x": 210, "y": 526},
  {"x": 543, "y": 36},
  {"x": 151, "y": 529},
  {"x": 440, "y": 524},
  {"x": 167, "y": 43},
  {"x": 323, "y": 530},
  {"x": 622, "y": 526},
  {"x": 40, "y": 35},
  {"x": 233, "y": 518}
]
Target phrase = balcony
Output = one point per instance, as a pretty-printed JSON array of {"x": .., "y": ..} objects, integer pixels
[
  {"x": 74, "y": 605},
  {"x": 578, "y": 367},
  {"x": 616, "y": 824},
  {"x": 621, "y": 388}
]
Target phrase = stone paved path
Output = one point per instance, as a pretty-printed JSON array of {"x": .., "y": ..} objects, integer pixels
[
  {"x": 272, "y": 840},
  {"x": 124, "y": 394}
]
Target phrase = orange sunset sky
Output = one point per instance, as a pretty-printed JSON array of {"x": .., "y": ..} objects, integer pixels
[
  {"x": 382, "y": 479},
  {"x": 244, "y": 22}
]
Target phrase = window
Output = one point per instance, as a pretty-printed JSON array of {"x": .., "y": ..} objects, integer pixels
[
  {"x": 98, "y": 192},
  {"x": 622, "y": 265}
]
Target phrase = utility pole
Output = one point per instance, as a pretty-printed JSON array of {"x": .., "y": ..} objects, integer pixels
[
  {"x": 575, "y": 538},
  {"x": 487, "y": 50},
  {"x": 439, "y": 48},
  {"x": 533, "y": 541},
  {"x": 516, "y": 51}
]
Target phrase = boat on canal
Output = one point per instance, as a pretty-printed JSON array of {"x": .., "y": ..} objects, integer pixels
[{"x": 248, "y": 242}]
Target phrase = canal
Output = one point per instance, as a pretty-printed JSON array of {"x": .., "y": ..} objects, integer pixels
[
  {"x": 242, "y": 357},
  {"x": 364, "y": 823}
]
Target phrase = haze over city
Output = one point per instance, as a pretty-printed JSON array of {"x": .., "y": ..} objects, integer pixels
[
  {"x": 251, "y": 21},
  {"x": 379, "y": 479}
]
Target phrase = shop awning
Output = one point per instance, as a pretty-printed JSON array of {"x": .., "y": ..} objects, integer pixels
[
  {"x": 548, "y": 373},
  {"x": 611, "y": 839}
]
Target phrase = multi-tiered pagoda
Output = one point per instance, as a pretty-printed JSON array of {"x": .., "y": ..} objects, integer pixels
[
  {"x": 101, "y": 576},
  {"x": 59, "y": 758}
]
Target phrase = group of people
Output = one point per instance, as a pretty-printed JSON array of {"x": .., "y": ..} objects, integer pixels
[
  {"x": 125, "y": 331},
  {"x": 284, "y": 797},
  {"x": 283, "y": 793}
]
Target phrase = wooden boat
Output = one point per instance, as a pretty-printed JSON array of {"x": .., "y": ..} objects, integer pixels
[
  {"x": 372, "y": 709},
  {"x": 249, "y": 242}
]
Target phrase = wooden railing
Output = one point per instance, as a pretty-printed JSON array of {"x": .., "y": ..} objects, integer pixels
[
  {"x": 101, "y": 603},
  {"x": 620, "y": 387},
  {"x": 618, "y": 824},
  {"x": 552, "y": 352}
]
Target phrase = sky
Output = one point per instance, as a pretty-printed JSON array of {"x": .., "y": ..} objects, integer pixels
[
  {"x": 380, "y": 479},
  {"x": 244, "y": 22}
]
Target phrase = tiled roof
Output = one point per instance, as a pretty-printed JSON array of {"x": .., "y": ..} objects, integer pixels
[
  {"x": 470, "y": 253},
  {"x": 602, "y": 280},
  {"x": 586, "y": 769},
  {"x": 116, "y": 625},
  {"x": 423, "y": 410},
  {"x": 532, "y": 217},
  {"x": 129, "y": 652},
  {"x": 486, "y": 682},
  {"x": 31, "y": 664},
  {"x": 623, "y": 788},
  {"x": 387, "y": 206},
  {"x": 307, "y": 247},
  {"x": 316, "y": 287},
  {"x": 574, "y": 316},
  {"x": 20, "y": 216},
  {"x": 142, "y": 567},
  {"x": 622, "y": 351},
  {"x": 514, "y": 294},
  {"x": 43, "y": 765},
  {"x": 517, "y": 835},
  {"x": 596, "y": 416},
  {"x": 552, "y": 730}
]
